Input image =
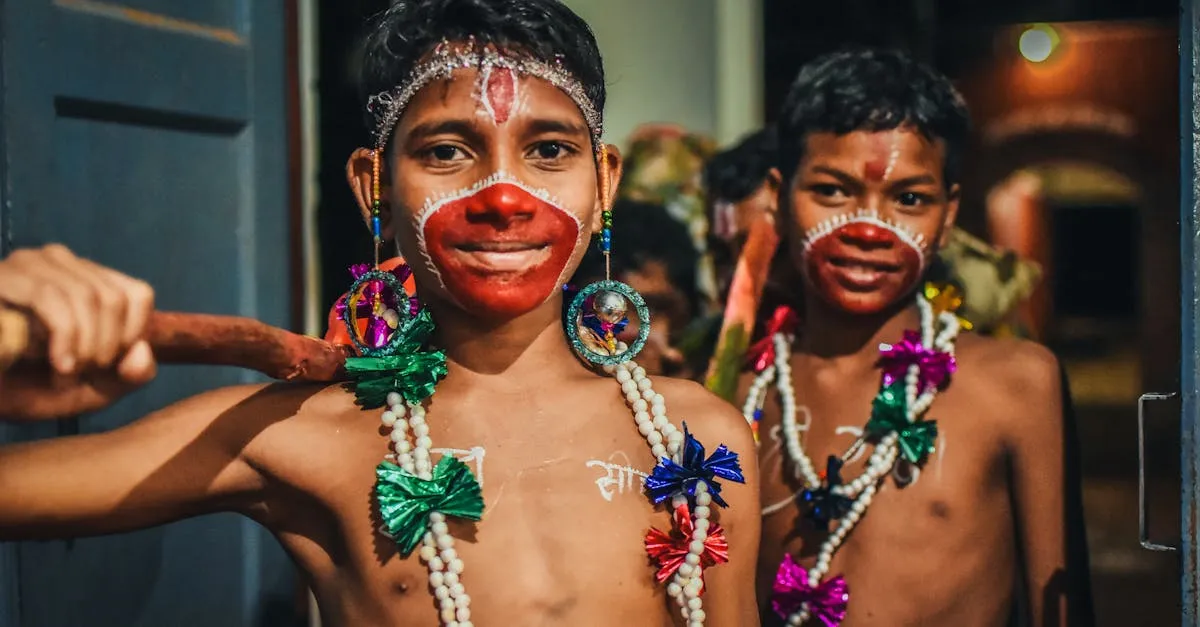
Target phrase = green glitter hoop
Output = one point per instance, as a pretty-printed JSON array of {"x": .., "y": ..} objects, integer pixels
[
  {"x": 350, "y": 313},
  {"x": 575, "y": 319}
]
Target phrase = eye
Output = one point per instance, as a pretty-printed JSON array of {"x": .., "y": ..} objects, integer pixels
[
  {"x": 913, "y": 199},
  {"x": 828, "y": 190},
  {"x": 445, "y": 152},
  {"x": 550, "y": 151}
]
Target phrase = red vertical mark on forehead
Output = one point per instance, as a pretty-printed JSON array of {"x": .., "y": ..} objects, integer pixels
[
  {"x": 876, "y": 166},
  {"x": 500, "y": 93}
]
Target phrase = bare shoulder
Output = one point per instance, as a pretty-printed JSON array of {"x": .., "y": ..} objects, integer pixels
[
  {"x": 1020, "y": 380},
  {"x": 257, "y": 400},
  {"x": 235, "y": 416},
  {"x": 1020, "y": 366},
  {"x": 712, "y": 419}
]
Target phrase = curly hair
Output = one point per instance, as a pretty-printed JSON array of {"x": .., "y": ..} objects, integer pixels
[{"x": 872, "y": 90}]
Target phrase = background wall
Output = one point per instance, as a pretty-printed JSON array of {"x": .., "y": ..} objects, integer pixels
[{"x": 697, "y": 63}]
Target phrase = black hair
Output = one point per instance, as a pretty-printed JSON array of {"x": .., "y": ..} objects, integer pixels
[
  {"x": 399, "y": 38},
  {"x": 643, "y": 233},
  {"x": 869, "y": 89},
  {"x": 734, "y": 174}
]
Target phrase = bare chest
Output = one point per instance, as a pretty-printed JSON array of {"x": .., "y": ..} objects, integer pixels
[
  {"x": 960, "y": 483},
  {"x": 564, "y": 517}
]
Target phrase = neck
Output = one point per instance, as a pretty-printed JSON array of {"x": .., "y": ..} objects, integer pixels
[
  {"x": 532, "y": 344},
  {"x": 833, "y": 334}
]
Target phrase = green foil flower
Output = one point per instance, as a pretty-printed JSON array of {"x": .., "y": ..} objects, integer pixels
[
  {"x": 406, "y": 501},
  {"x": 889, "y": 412},
  {"x": 412, "y": 372}
]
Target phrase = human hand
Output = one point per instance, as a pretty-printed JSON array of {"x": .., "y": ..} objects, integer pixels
[{"x": 94, "y": 318}]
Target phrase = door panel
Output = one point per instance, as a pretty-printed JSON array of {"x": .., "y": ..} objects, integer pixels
[{"x": 150, "y": 136}]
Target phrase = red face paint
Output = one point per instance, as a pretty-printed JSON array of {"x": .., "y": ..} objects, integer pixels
[
  {"x": 500, "y": 251},
  {"x": 864, "y": 265},
  {"x": 499, "y": 93},
  {"x": 877, "y": 167},
  {"x": 874, "y": 169}
]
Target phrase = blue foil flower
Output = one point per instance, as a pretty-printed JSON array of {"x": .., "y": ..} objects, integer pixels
[
  {"x": 669, "y": 478},
  {"x": 823, "y": 505}
]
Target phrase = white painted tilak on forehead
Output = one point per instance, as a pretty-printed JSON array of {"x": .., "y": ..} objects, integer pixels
[
  {"x": 893, "y": 157},
  {"x": 826, "y": 227},
  {"x": 436, "y": 201}
]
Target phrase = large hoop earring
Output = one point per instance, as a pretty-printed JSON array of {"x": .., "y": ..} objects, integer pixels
[
  {"x": 599, "y": 312},
  {"x": 378, "y": 299},
  {"x": 377, "y": 305}
]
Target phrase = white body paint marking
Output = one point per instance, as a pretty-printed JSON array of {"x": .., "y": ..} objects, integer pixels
[
  {"x": 473, "y": 454},
  {"x": 776, "y": 436},
  {"x": 893, "y": 157},
  {"x": 466, "y": 456},
  {"x": 618, "y": 478}
]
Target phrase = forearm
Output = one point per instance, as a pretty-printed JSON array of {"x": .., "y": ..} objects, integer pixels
[
  {"x": 179, "y": 462},
  {"x": 43, "y": 495}
]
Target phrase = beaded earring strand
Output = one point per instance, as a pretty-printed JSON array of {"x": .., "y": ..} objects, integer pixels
[
  {"x": 913, "y": 372},
  {"x": 376, "y": 228}
]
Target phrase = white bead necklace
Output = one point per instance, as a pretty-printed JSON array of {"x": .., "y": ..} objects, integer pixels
[
  {"x": 883, "y": 458},
  {"x": 412, "y": 445}
]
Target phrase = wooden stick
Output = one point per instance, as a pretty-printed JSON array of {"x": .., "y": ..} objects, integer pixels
[{"x": 187, "y": 338}]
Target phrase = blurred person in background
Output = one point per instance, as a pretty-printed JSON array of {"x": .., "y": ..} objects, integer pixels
[
  {"x": 898, "y": 452},
  {"x": 740, "y": 189},
  {"x": 663, "y": 166}
]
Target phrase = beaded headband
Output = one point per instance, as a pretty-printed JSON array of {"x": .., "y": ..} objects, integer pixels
[{"x": 387, "y": 106}]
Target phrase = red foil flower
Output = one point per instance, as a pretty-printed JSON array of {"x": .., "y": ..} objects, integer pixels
[
  {"x": 668, "y": 550},
  {"x": 762, "y": 353}
]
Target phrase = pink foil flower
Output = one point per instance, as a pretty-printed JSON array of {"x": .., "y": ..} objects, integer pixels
[{"x": 826, "y": 602}]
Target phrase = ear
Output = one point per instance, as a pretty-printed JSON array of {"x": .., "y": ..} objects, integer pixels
[
  {"x": 771, "y": 186},
  {"x": 360, "y": 173},
  {"x": 951, "y": 215},
  {"x": 775, "y": 192},
  {"x": 609, "y": 169}
]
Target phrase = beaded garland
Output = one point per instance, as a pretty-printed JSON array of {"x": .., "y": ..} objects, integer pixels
[
  {"x": 415, "y": 497},
  {"x": 913, "y": 373}
]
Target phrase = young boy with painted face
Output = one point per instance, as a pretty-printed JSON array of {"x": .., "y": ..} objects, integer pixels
[
  {"x": 911, "y": 474},
  {"x": 492, "y": 181}
]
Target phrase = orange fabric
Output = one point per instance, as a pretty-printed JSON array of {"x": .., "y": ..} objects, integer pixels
[{"x": 336, "y": 332}]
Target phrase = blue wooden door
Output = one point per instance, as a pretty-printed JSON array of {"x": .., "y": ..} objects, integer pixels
[{"x": 150, "y": 135}]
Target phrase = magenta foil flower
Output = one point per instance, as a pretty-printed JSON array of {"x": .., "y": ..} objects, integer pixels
[{"x": 935, "y": 366}]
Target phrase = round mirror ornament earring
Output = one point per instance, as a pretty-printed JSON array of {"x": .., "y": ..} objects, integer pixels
[
  {"x": 600, "y": 311},
  {"x": 377, "y": 304}
]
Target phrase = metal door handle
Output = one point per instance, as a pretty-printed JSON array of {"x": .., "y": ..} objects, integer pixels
[{"x": 1143, "y": 531}]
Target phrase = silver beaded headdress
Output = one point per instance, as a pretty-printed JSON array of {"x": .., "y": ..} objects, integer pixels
[{"x": 386, "y": 107}]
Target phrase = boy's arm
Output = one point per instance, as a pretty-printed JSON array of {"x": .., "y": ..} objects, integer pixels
[
  {"x": 182, "y": 461},
  {"x": 1037, "y": 443},
  {"x": 729, "y": 597}
]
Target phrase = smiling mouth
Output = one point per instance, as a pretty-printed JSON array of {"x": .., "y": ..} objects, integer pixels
[
  {"x": 865, "y": 265},
  {"x": 857, "y": 274},
  {"x": 499, "y": 247},
  {"x": 502, "y": 257}
]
